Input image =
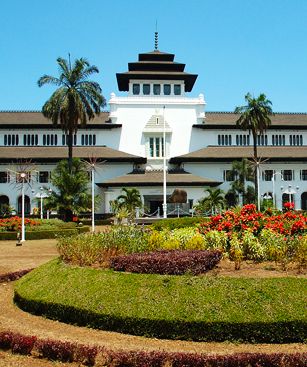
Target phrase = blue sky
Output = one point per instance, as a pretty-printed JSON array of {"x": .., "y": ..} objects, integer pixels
[{"x": 235, "y": 46}]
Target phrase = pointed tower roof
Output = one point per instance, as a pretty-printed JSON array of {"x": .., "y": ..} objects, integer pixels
[{"x": 155, "y": 65}]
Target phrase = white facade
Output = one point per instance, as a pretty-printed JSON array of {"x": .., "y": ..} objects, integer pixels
[{"x": 135, "y": 127}]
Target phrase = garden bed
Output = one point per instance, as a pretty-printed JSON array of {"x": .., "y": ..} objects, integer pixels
[{"x": 203, "y": 308}]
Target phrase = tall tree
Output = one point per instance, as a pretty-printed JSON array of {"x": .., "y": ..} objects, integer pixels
[
  {"x": 130, "y": 199},
  {"x": 255, "y": 117},
  {"x": 242, "y": 172},
  {"x": 214, "y": 200},
  {"x": 71, "y": 195},
  {"x": 77, "y": 99}
]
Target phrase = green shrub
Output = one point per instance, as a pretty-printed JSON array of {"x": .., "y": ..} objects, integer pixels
[
  {"x": 98, "y": 248},
  {"x": 174, "y": 223},
  {"x": 216, "y": 240},
  {"x": 236, "y": 251},
  {"x": 252, "y": 247},
  {"x": 273, "y": 243},
  {"x": 188, "y": 238}
]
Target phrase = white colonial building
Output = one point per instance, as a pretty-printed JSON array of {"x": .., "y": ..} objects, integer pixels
[{"x": 199, "y": 146}]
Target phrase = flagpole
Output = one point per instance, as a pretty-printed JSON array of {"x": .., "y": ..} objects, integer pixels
[{"x": 164, "y": 168}]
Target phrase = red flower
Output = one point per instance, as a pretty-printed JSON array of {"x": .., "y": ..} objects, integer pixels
[{"x": 288, "y": 205}]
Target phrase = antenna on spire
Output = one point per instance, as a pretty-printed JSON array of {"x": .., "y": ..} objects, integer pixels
[{"x": 156, "y": 36}]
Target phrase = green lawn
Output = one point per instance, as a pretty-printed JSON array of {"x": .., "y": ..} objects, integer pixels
[{"x": 185, "y": 307}]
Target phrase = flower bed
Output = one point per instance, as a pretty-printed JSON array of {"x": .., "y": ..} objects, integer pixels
[
  {"x": 38, "y": 228},
  {"x": 249, "y": 234},
  {"x": 168, "y": 262},
  {"x": 14, "y": 224},
  {"x": 249, "y": 219}
]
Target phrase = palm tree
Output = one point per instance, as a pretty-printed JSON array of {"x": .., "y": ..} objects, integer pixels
[
  {"x": 71, "y": 196},
  {"x": 75, "y": 101},
  {"x": 130, "y": 199},
  {"x": 242, "y": 172},
  {"x": 214, "y": 201},
  {"x": 255, "y": 117}
]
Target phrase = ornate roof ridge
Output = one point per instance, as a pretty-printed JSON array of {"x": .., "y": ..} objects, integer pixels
[
  {"x": 275, "y": 113},
  {"x": 28, "y": 111}
]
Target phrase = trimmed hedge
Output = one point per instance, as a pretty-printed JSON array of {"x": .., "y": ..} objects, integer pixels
[
  {"x": 171, "y": 307},
  {"x": 173, "y": 262},
  {"x": 46, "y": 234},
  {"x": 174, "y": 223},
  {"x": 98, "y": 222},
  {"x": 64, "y": 351}
]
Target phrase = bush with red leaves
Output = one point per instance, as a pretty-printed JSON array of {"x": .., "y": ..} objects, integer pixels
[
  {"x": 72, "y": 352},
  {"x": 174, "y": 262},
  {"x": 17, "y": 343},
  {"x": 66, "y": 351},
  {"x": 10, "y": 277}
]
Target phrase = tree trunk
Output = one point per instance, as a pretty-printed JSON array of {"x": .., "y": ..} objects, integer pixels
[{"x": 70, "y": 146}]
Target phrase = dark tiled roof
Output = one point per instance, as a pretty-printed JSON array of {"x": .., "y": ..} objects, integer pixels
[
  {"x": 155, "y": 178},
  {"x": 279, "y": 119},
  {"x": 42, "y": 153},
  {"x": 155, "y": 65},
  {"x": 219, "y": 153},
  {"x": 36, "y": 118}
]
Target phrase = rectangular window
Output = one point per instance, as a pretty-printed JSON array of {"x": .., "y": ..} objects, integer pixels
[
  {"x": 287, "y": 175},
  {"x": 4, "y": 177},
  {"x": 157, "y": 147},
  {"x": 146, "y": 89},
  {"x": 151, "y": 147},
  {"x": 304, "y": 175},
  {"x": 268, "y": 175},
  {"x": 167, "y": 89},
  {"x": 136, "y": 88},
  {"x": 157, "y": 89},
  {"x": 229, "y": 175},
  {"x": 177, "y": 89},
  {"x": 43, "y": 177}
]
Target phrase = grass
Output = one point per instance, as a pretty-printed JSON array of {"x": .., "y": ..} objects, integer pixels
[{"x": 184, "y": 307}]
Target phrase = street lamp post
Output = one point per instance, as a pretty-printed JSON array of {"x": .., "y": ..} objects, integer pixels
[
  {"x": 41, "y": 196},
  {"x": 93, "y": 196},
  {"x": 23, "y": 235},
  {"x": 258, "y": 185}
]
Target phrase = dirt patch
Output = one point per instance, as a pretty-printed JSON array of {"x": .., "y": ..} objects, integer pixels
[
  {"x": 30, "y": 255},
  {"x": 15, "y": 360},
  {"x": 251, "y": 269}
]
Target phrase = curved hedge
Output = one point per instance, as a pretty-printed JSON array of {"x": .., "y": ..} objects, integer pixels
[
  {"x": 204, "y": 308},
  {"x": 45, "y": 234}
]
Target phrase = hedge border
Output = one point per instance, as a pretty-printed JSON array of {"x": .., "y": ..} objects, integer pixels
[
  {"x": 57, "y": 350},
  {"x": 46, "y": 234},
  {"x": 270, "y": 332}
]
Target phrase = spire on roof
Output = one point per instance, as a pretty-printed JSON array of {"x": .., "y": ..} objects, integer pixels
[{"x": 156, "y": 37}]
